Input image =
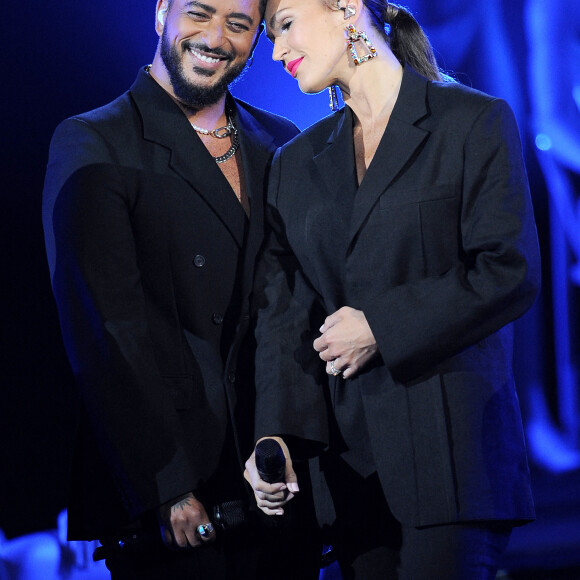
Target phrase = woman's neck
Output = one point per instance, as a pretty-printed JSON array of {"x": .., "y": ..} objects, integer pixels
[{"x": 373, "y": 88}]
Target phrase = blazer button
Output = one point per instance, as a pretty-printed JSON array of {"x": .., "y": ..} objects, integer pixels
[
  {"x": 232, "y": 377},
  {"x": 217, "y": 318},
  {"x": 199, "y": 261}
]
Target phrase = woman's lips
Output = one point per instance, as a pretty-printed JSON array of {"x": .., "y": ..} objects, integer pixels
[{"x": 293, "y": 65}]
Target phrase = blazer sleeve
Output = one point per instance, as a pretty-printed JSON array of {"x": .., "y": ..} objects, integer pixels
[
  {"x": 87, "y": 204},
  {"x": 290, "y": 384},
  {"x": 496, "y": 276}
]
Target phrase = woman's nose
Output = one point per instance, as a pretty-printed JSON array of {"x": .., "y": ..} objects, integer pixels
[{"x": 279, "y": 50}]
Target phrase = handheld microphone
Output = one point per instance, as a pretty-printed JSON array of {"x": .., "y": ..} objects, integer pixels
[
  {"x": 225, "y": 516},
  {"x": 270, "y": 461}
]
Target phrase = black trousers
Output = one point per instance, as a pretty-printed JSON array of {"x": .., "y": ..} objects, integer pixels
[
  {"x": 447, "y": 552},
  {"x": 244, "y": 556},
  {"x": 369, "y": 543},
  {"x": 213, "y": 562}
]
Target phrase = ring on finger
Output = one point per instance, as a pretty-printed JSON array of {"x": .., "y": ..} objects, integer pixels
[
  {"x": 205, "y": 530},
  {"x": 333, "y": 369}
]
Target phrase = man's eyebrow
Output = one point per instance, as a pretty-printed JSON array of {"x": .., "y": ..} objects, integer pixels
[
  {"x": 242, "y": 16},
  {"x": 197, "y": 4},
  {"x": 212, "y": 10}
]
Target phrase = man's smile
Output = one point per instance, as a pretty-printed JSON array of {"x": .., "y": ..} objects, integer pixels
[{"x": 204, "y": 58}]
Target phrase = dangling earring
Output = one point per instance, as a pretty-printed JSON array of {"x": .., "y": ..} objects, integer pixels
[
  {"x": 333, "y": 98},
  {"x": 354, "y": 36}
]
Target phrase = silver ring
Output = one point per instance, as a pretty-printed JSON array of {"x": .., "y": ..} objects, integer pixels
[
  {"x": 333, "y": 369},
  {"x": 205, "y": 530}
]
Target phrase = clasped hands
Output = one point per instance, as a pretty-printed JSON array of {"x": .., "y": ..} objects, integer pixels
[{"x": 347, "y": 342}]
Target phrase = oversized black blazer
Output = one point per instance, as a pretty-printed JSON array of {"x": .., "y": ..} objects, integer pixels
[
  {"x": 152, "y": 259},
  {"x": 440, "y": 252}
]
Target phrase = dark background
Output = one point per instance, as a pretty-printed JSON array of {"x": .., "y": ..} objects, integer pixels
[{"x": 65, "y": 57}]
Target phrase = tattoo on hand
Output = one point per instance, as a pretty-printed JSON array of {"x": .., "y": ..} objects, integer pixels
[{"x": 180, "y": 504}]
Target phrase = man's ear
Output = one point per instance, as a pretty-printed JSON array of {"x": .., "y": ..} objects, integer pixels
[{"x": 161, "y": 13}]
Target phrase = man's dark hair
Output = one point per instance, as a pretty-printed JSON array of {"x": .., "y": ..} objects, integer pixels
[{"x": 262, "y": 7}]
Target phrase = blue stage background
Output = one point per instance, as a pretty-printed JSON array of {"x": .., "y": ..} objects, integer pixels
[{"x": 66, "y": 57}]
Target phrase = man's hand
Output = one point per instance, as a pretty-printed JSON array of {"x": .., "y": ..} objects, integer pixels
[
  {"x": 347, "y": 342},
  {"x": 179, "y": 520},
  {"x": 270, "y": 497}
]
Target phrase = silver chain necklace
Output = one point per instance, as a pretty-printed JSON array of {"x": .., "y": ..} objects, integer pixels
[
  {"x": 219, "y": 133},
  {"x": 232, "y": 150}
]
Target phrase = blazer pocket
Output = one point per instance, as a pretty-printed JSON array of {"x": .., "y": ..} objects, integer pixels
[
  {"x": 393, "y": 198},
  {"x": 423, "y": 229},
  {"x": 181, "y": 390}
]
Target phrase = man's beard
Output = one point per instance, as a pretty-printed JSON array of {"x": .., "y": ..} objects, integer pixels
[{"x": 188, "y": 93}]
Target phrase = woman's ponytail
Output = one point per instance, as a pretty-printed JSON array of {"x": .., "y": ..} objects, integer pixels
[{"x": 406, "y": 38}]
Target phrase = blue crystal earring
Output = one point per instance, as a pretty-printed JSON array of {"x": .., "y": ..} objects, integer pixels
[{"x": 333, "y": 98}]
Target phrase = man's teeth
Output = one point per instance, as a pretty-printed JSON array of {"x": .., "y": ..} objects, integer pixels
[{"x": 203, "y": 57}]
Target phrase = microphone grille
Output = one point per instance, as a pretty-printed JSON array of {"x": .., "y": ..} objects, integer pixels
[
  {"x": 230, "y": 514},
  {"x": 270, "y": 460}
]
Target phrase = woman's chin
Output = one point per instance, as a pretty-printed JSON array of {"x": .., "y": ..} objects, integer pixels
[{"x": 309, "y": 88}]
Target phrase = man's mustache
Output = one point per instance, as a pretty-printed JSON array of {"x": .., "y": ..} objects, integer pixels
[{"x": 203, "y": 48}]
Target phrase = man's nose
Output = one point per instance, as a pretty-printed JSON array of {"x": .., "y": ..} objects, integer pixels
[{"x": 213, "y": 34}]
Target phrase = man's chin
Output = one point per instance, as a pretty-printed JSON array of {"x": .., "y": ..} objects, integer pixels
[
  {"x": 200, "y": 96},
  {"x": 204, "y": 72},
  {"x": 210, "y": 87}
]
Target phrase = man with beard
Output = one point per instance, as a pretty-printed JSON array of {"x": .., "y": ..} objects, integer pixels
[{"x": 153, "y": 215}]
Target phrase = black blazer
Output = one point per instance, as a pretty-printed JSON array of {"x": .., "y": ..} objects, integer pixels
[
  {"x": 152, "y": 259},
  {"x": 438, "y": 248}
]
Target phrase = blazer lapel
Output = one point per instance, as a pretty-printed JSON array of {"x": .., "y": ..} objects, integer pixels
[
  {"x": 398, "y": 144},
  {"x": 189, "y": 158},
  {"x": 257, "y": 148},
  {"x": 338, "y": 177}
]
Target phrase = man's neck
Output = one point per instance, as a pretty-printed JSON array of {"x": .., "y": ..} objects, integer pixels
[{"x": 209, "y": 117}]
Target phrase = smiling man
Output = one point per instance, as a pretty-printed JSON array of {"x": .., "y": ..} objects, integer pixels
[
  {"x": 153, "y": 215},
  {"x": 220, "y": 62}
]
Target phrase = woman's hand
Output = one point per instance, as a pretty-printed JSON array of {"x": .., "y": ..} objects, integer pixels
[
  {"x": 270, "y": 497},
  {"x": 347, "y": 342}
]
